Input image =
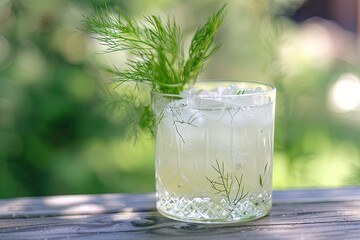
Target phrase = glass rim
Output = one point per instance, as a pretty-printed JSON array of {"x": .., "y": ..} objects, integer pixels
[{"x": 271, "y": 89}]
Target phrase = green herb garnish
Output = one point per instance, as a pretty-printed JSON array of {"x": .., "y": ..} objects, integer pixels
[
  {"x": 158, "y": 56},
  {"x": 224, "y": 185},
  {"x": 240, "y": 92}
]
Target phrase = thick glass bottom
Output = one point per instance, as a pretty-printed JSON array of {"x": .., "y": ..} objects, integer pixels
[{"x": 206, "y": 210}]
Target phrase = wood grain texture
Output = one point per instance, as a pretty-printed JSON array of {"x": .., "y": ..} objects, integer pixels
[
  {"x": 296, "y": 214},
  {"x": 75, "y": 205}
]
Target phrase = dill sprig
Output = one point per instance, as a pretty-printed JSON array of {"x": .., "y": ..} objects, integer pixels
[
  {"x": 130, "y": 113},
  {"x": 158, "y": 56},
  {"x": 224, "y": 185}
]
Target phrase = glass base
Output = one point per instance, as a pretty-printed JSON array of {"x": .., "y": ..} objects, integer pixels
[{"x": 205, "y": 210}]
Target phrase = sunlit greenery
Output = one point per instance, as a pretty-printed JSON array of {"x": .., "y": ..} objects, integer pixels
[{"x": 58, "y": 137}]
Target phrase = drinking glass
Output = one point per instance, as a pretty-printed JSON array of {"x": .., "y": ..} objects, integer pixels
[{"x": 214, "y": 151}]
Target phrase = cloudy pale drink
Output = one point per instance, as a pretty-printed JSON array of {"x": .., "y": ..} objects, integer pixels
[{"x": 214, "y": 149}]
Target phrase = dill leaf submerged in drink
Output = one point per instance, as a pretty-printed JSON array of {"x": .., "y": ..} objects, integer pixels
[{"x": 158, "y": 57}]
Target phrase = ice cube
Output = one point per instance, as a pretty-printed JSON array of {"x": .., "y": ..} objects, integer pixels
[
  {"x": 232, "y": 89},
  {"x": 235, "y": 116},
  {"x": 202, "y": 103},
  {"x": 185, "y": 111},
  {"x": 190, "y": 92}
]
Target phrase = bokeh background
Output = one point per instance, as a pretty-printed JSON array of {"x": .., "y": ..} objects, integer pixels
[{"x": 56, "y": 137}]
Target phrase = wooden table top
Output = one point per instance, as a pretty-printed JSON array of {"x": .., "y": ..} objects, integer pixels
[{"x": 296, "y": 214}]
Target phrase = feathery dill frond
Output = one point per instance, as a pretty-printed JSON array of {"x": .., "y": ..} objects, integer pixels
[
  {"x": 130, "y": 114},
  {"x": 202, "y": 46},
  {"x": 158, "y": 57},
  {"x": 156, "y": 47}
]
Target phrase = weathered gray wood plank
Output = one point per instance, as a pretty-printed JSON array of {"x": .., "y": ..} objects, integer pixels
[
  {"x": 113, "y": 203},
  {"x": 296, "y": 214},
  {"x": 112, "y": 229},
  {"x": 75, "y": 205},
  {"x": 318, "y": 195},
  {"x": 329, "y": 219}
]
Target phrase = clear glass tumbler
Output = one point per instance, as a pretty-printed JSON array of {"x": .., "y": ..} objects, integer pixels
[{"x": 214, "y": 152}]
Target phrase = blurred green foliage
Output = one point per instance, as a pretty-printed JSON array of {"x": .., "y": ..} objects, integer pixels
[{"x": 56, "y": 137}]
